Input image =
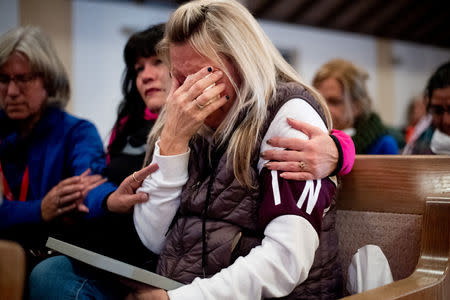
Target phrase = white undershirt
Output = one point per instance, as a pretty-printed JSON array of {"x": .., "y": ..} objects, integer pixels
[{"x": 274, "y": 268}]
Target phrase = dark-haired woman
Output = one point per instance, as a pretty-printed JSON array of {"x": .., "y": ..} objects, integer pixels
[
  {"x": 145, "y": 86},
  {"x": 146, "y": 83}
]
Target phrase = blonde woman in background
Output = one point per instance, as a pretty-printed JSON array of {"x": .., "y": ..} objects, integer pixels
[{"x": 343, "y": 85}]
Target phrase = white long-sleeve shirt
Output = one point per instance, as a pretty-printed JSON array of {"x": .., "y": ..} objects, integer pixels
[{"x": 286, "y": 254}]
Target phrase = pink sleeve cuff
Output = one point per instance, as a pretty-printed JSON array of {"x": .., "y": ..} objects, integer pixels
[{"x": 348, "y": 151}]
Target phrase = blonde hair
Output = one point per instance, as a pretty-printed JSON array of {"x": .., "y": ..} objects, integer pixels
[
  {"x": 224, "y": 29},
  {"x": 35, "y": 45},
  {"x": 352, "y": 80}
]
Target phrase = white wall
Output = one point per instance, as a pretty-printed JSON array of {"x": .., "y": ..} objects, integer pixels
[
  {"x": 315, "y": 47},
  {"x": 98, "y": 45},
  {"x": 9, "y": 15}
]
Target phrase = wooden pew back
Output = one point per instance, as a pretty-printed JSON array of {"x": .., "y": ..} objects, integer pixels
[
  {"x": 382, "y": 202},
  {"x": 394, "y": 183}
]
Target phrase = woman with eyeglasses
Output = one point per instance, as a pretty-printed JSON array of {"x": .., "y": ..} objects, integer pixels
[
  {"x": 432, "y": 134},
  {"x": 46, "y": 155}
]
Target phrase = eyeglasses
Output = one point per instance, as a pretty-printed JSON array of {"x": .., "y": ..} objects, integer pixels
[
  {"x": 439, "y": 110},
  {"x": 21, "y": 80}
]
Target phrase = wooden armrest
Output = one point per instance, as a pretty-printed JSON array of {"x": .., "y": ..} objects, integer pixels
[
  {"x": 12, "y": 270},
  {"x": 430, "y": 279}
]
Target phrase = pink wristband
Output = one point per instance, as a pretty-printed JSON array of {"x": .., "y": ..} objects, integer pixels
[{"x": 348, "y": 151}]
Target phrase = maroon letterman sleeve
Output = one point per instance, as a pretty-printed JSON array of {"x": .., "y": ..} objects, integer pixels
[{"x": 307, "y": 199}]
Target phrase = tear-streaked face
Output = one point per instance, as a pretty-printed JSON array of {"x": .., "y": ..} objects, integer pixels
[{"x": 186, "y": 61}]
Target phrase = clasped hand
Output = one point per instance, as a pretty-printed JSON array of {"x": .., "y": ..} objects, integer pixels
[{"x": 69, "y": 195}]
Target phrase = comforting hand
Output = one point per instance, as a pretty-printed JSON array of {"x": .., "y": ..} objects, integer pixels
[
  {"x": 303, "y": 159},
  {"x": 187, "y": 108},
  {"x": 149, "y": 293},
  {"x": 68, "y": 195},
  {"x": 124, "y": 198}
]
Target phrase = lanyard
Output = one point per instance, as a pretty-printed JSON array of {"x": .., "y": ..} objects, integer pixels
[{"x": 23, "y": 188}]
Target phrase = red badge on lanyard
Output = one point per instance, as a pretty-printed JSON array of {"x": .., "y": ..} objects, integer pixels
[{"x": 23, "y": 188}]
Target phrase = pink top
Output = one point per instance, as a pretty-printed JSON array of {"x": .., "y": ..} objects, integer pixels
[{"x": 148, "y": 115}]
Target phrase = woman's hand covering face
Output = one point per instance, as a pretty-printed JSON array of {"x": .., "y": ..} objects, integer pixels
[{"x": 188, "y": 105}]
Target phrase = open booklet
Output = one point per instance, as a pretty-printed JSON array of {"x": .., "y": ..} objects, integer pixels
[{"x": 112, "y": 265}]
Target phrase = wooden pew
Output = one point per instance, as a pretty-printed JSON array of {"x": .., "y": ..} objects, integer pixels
[
  {"x": 12, "y": 270},
  {"x": 402, "y": 204}
]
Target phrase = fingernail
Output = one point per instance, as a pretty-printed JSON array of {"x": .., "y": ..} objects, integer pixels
[
  {"x": 170, "y": 74},
  {"x": 269, "y": 141},
  {"x": 209, "y": 69},
  {"x": 267, "y": 165},
  {"x": 227, "y": 97},
  {"x": 263, "y": 154}
]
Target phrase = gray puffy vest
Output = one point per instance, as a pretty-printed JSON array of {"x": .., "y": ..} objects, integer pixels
[{"x": 217, "y": 217}]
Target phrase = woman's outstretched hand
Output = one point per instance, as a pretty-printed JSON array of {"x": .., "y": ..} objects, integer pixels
[
  {"x": 303, "y": 159},
  {"x": 124, "y": 198}
]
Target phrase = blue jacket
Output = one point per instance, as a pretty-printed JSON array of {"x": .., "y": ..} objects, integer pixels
[
  {"x": 59, "y": 147},
  {"x": 384, "y": 145}
]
